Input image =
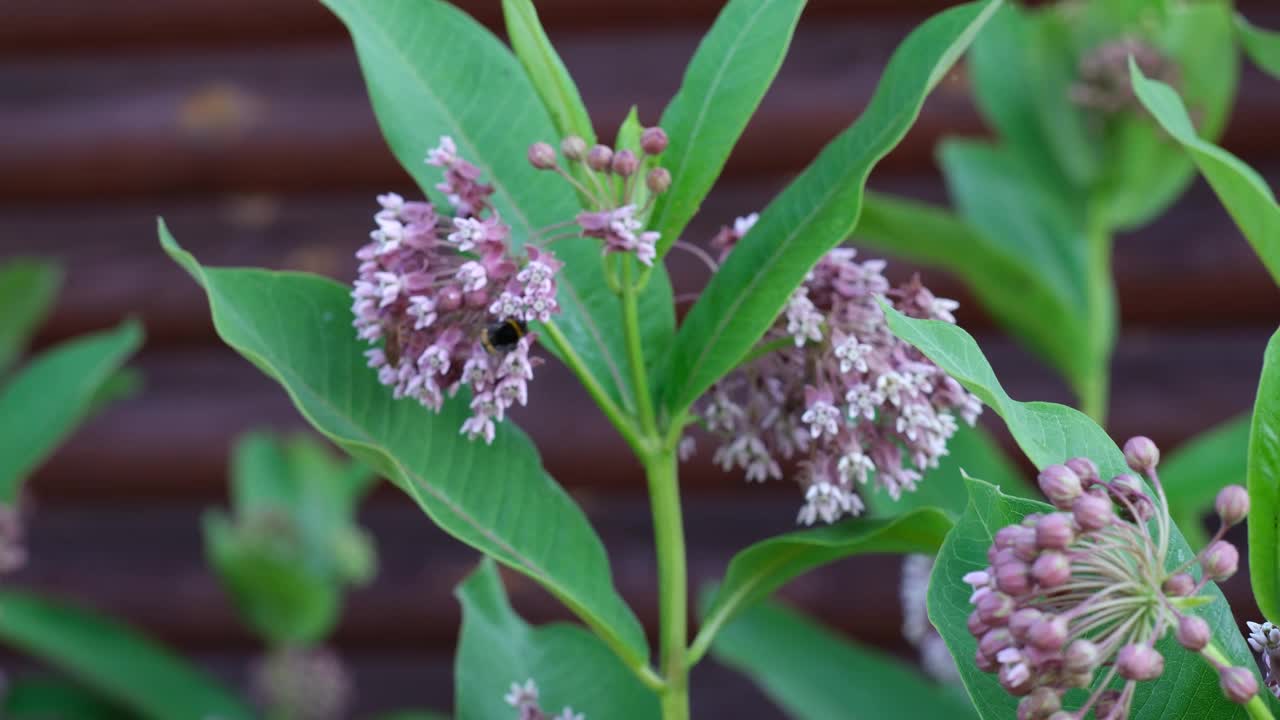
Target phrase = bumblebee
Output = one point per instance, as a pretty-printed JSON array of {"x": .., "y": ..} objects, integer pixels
[{"x": 501, "y": 337}]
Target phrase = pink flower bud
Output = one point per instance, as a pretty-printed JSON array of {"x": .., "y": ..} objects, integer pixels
[
  {"x": 984, "y": 663},
  {"x": 658, "y": 180},
  {"x": 1012, "y": 577},
  {"x": 1082, "y": 656},
  {"x": 599, "y": 158},
  {"x": 1039, "y": 704},
  {"x": 1051, "y": 569},
  {"x": 977, "y": 627},
  {"x": 653, "y": 140},
  {"x": 1139, "y": 662},
  {"x": 1025, "y": 547},
  {"x": 1128, "y": 484},
  {"x": 1054, "y": 531},
  {"x": 450, "y": 298},
  {"x": 1193, "y": 632},
  {"x": 1049, "y": 633},
  {"x": 1220, "y": 560},
  {"x": 1021, "y": 621},
  {"x": 1092, "y": 512},
  {"x": 1085, "y": 469},
  {"x": 1060, "y": 485},
  {"x": 1006, "y": 536},
  {"x": 995, "y": 608},
  {"x": 1232, "y": 504},
  {"x": 1016, "y": 679},
  {"x": 1180, "y": 585},
  {"x": 994, "y": 641},
  {"x": 1238, "y": 684},
  {"x": 1141, "y": 454},
  {"x": 542, "y": 156},
  {"x": 477, "y": 298},
  {"x": 624, "y": 163},
  {"x": 1062, "y": 715},
  {"x": 574, "y": 148}
]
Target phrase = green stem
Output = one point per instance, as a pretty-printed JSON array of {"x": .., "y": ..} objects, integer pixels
[
  {"x": 635, "y": 350},
  {"x": 1257, "y": 706},
  {"x": 668, "y": 530},
  {"x": 1101, "y": 312}
]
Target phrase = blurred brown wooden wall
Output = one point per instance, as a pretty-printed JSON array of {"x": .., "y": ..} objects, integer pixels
[{"x": 245, "y": 123}]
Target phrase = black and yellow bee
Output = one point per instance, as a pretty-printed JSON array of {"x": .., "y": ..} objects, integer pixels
[{"x": 501, "y": 337}]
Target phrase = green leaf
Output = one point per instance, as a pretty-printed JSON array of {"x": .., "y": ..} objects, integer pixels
[
  {"x": 431, "y": 71},
  {"x": 816, "y": 211},
  {"x": 1048, "y": 433},
  {"x": 113, "y": 660},
  {"x": 814, "y": 674},
  {"x": 27, "y": 290},
  {"x": 44, "y": 402},
  {"x": 546, "y": 71},
  {"x": 1261, "y": 45},
  {"x": 1193, "y": 474},
  {"x": 1242, "y": 191},
  {"x": 55, "y": 699},
  {"x": 757, "y": 571},
  {"x": 571, "y": 668},
  {"x": 496, "y": 498},
  {"x": 1264, "y": 486},
  {"x": 413, "y": 715},
  {"x": 733, "y": 67}
]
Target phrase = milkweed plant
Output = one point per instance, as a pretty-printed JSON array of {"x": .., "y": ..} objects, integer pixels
[{"x": 1079, "y": 581}]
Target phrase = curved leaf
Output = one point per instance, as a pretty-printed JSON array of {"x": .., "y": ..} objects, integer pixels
[
  {"x": 757, "y": 571},
  {"x": 1193, "y": 474},
  {"x": 113, "y": 660},
  {"x": 733, "y": 67},
  {"x": 55, "y": 699},
  {"x": 1049, "y": 433},
  {"x": 546, "y": 70},
  {"x": 570, "y": 666},
  {"x": 1262, "y": 45},
  {"x": 43, "y": 403},
  {"x": 496, "y": 498},
  {"x": 1264, "y": 486},
  {"x": 812, "y": 215},
  {"x": 814, "y": 674},
  {"x": 1241, "y": 190},
  {"x": 27, "y": 290}
]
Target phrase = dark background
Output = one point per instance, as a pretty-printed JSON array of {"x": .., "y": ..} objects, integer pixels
[{"x": 245, "y": 123}]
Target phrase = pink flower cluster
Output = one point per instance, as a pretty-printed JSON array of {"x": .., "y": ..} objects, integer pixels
[
  {"x": 524, "y": 698},
  {"x": 1089, "y": 589},
  {"x": 834, "y": 387},
  {"x": 437, "y": 288}
]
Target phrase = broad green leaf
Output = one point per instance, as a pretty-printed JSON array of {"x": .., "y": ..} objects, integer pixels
[
  {"x": 113, "y": 660},
  {"x": 814, "y": 674},
  {"x": 1264, "y": 486},
  {"x": 431, "y": 71},
  {"x": 733, "y": 67},
  {"x": 1261, "y": 45},
  {"x": 1242, "y": 191},
  {"x": 970, "y": 451},
  {"x": 569, "y": 665},
  {"x": 27, "y": 290},
  {"x": 757, "y": 571},
  {"x": 546, "y": 71},
  {"x": 812, "y": 215},
  {"x": 55, "y": 699},
  {"x": 42, "y": 404},
  {"x": 1048, "y": 433},
  {"x": 496, "y": 498},
  {"x": 1193, "y": 474}
]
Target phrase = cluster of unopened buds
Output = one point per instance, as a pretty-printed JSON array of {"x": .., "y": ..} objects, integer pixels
[
  {"x": 524, "y": 698},
  {"x": 1088, "y": 590},
  {"x": 833, "y": 386},
  {"x": 1103, "y": 82}
]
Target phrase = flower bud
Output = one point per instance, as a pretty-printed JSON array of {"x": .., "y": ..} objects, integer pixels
[
  {"x": 1054, "y": 531},
  {"x": 1141, "y": 454},
  {"x": 995, "y": 608},
  {"x": 1021, "y": 621},
  {"x": 1051, "y": 569},
  {"x": 653, "y": 140},
  {"x": 1139, "y": 662},
  {"x": 658, "y": 180},
  {"x": 574, "y": 148},
  {"x": 1220, "y": 560},
  {"x": 450, "y": 298},
  {"x": 599, "y": 158},
  {"x": 1238, "y": 684},
  {"x": 1092, "y": 512},
  {"x": 1025, "y": 547},
  {"x": 1085, "y": 469},
  {"x": 1193, "y": 632},
  {"x": 1060, "y": 485},
  {"x": 1129, "y": 485},
  {"x": 977, "y": 627},
  {"x": 624, "y": 163},
  {"x": 1016, "y": 679},
  {"x": 477, "y": 298},
  {"x": 542, "y": 156},
  {"x": 994, "y": 641},
  {"x": 1180, "y": 585},
  {"x": 1232, "y": 504},
  {"x": 1082, "y": 656},
  {"x": 1049, "y": 633},
  {"x": 985, "y": 663},
  {"x": 1012, "y": 577},
  {"x": 1062, "y": 715},
  {"x": 1042, "y": 702}
]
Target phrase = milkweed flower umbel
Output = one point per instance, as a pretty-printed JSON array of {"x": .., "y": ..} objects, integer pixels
[
  {"x": 1088, "y": 591},
  {"x": 436, "y": 288},
  {"x": 524, "y": 698},
  {"x": 831, "y": 386}
]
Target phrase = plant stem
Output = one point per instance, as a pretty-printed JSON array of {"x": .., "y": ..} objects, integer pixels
[
  {"x": 635, "y": 351},
  {"x": 1257, "y": 706},
  {"x": 668, "y": 530},
  {"x": 1101, "y": 314}
]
